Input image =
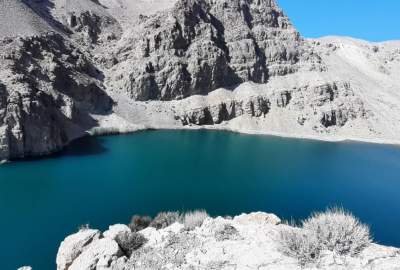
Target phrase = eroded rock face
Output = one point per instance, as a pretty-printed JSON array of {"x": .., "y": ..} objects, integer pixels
[
  {"x": 93, "y": 28},
  {"x": 49, "y": 86},
  {"x": 226, "y": 110},
  {"x": 324, "y": 106},
  {"x": 202, "y": 45},
  {"x": 164, "y": 68}
]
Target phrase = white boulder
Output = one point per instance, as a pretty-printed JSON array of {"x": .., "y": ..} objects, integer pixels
[
  {"x": 259, "y": 218},
  {"x": 73, "y": 246},
  {"x": 115, "y": 230},
  {"x": 99, "y": 255}
]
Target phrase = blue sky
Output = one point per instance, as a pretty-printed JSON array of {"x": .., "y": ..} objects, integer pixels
[{"x": 374, "y": 20}]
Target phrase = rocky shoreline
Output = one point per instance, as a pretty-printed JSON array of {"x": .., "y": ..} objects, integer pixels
[{"x": 248, "y": 241}]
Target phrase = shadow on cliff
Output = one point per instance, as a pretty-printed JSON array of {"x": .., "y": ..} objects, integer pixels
[
  {"x": 85, "y": 146},
  {"x": 43, "y": 8}
]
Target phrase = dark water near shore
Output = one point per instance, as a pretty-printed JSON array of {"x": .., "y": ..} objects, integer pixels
[{"x": 105, "y": 180}]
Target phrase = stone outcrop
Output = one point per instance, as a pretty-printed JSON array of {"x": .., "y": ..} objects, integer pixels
[
  {"x": 73, "y": 246},
  {"x": 201, "y": 45},
  {"x": 227, "y": 110},
  {"x": 248, "y": 241},
  {"x": 49, "y": 88}
]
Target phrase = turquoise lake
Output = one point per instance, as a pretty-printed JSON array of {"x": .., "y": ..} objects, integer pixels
[{"x": 105, "y": 180}]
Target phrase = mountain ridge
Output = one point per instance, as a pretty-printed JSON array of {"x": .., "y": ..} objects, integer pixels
[{"x": 233, "y": 65}]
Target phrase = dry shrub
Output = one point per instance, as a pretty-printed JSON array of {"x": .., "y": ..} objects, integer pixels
[
  {"x": 139, "y": 223},
  {"x": 164, "y": 219},
  {"x": 339, "y": 231},
  {"x": 130, "y": 241},
  {"x": 194, "y": 219},
  {"x": 299, "y": 244},
  {"x": 335, "y": 230}
]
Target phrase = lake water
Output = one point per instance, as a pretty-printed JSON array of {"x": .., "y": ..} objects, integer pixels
[{"x": 105, "y": 180}]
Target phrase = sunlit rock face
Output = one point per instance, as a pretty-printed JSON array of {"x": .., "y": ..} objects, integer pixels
[
  {"x": 68, "y": 68},
  {"x": 199, "y": 46}
]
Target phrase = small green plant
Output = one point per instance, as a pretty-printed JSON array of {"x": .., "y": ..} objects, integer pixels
[
  {"x": 164, "y": 219},
  {"x": 139, "y": 223},
  {"x": 194, "y": 219}
]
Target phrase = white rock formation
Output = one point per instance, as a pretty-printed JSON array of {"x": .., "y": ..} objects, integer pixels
[
  {"x": 116, "y": 229},
  {"x": 248, "y": 241},
  {"x": 98, "y": 255},
  {"x": 73, "y": 246},
  {"x": 25, "y": 268},
  {"x": 119, "y": 66}
]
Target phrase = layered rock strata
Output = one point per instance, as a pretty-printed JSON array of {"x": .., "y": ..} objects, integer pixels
[{"x": 69, "y": 68}]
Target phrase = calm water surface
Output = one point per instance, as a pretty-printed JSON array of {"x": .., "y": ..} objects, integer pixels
[{"x": 105, "y": 180}]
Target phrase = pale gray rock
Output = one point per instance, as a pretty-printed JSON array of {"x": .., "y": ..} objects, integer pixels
[
  {"x": 199, "y": 46},
  {"x": 49, "y": 90},
  {"x": 76, "y": 67},
  {"x": 98, "y": 255},
  {"x": 73, "y": 246},
  {"x": 25, "y": 268},
  {"x": 258, "y": 218},
  {"x": 248, "y": 241},
  {"x": 114, "y": 230}
]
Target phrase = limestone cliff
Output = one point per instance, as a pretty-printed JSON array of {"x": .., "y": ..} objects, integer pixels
[{"x": 72, "y": 67}]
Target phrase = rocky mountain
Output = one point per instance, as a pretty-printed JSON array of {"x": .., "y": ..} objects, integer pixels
[
  {"x": 248, "y": 241},
  {"x": 73, "y": 67}
]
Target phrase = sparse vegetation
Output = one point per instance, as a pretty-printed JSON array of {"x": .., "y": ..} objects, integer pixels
[
  {"x": 299, "y": 244},
  {"x": 339, "y": 231},
  {"x": 334, "y": 230},
  {"x": 190, "y": 220},
  {"x": 194, "y": 219},
  {"x": 129, "y": 242},
  {"x": 139, "y": 223},
  {"x": 164, "y": 219},
  {"x": 84, "y": 227}
]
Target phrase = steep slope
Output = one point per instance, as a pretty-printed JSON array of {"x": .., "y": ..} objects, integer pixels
[
  {"x": 119, "y": 65},
  {"x": 18, "y": 19},
  {"x": 48, "y": 86},
  {"x": 199, "y": 46}
]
